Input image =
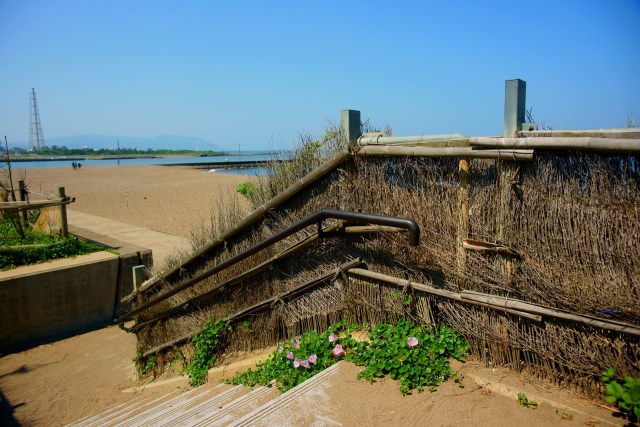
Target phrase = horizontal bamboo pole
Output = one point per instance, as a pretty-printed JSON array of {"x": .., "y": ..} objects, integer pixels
[
  {"x": 457, "y": 152},
  {"x": 168, "y": 344},
  {"x": 482, "y": 246},
  {"x": 264, "y": 304},
  {"x": 315, "y": 218},
  {"x": 33, "y": 204},
  {"x": 546, "y": 311},
  {"x": 422, "y": 140},
  {"x": 511, "y": 306},
  {"x": 234, "y": 280},
  {"x": 260, "y": 268},
  {"x": 434, "y": 291},
  {"x": 291, "y": 293},
  {"x": 249, "y": 220},
  {"x": 625, "y": 133},
  {"x": 560, "y": 143}
]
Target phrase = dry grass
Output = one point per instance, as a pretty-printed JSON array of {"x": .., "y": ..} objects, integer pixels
[{"x": 576, "y": 227}]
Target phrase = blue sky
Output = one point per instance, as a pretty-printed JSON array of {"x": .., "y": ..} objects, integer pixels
[{"x": 258, "y": 74}]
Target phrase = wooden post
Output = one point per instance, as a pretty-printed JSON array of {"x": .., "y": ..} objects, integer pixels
[
  {"x": 350, "y": 121},
  {"x": 22, "y": 196},
  {"x": 64, "y": 228},
  {"x": 514, "y": 112},
  {"x": 463, "y": 213}
]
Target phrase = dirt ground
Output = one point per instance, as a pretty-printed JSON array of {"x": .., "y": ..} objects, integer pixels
[
  {"x": 171, "y": 199},
  {"x": 61, "y": 382}
]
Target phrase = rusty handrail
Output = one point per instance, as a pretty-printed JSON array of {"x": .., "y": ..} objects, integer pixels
[{"x": 315, "y": 218}]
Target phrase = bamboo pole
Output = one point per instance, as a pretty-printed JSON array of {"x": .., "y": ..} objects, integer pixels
[
  {"x": 259, "y": 269},
  {"x": 314, "y": 218},
  {"x": 264, "y": 304},
  {"x": 291, "y": 293},
  {"x": 249, "y": 220},
  {"x": 463, "y": 214},
  {"x": 234, "y": 280},
  {"x": 460, "y": 152},
  {"x": 511, "y": 306},
  {"x": 31, "y": 205},
  {"x": 441, "y": 140},
  {"x": 499, "y": 301},
  {"x": 617, "y": 145},
  {"x": 623, "y": 133},
  {"x": 438, "y": 292}
]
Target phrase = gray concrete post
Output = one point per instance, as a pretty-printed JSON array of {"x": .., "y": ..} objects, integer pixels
[
  {"x": 350, "y": 122},
  {"x": 515, "y": 97}
]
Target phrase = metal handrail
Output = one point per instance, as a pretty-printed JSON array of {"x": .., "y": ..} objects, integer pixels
[{"x": 315, "y": 218}]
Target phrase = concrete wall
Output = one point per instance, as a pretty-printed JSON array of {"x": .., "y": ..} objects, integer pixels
[{"x": 62, "y": 297}]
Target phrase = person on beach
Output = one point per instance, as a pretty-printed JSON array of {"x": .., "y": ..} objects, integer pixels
[{"x": 74, "y": 166}]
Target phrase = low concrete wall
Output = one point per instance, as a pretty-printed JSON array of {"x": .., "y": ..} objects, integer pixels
[{"x": 62, "y": 297}]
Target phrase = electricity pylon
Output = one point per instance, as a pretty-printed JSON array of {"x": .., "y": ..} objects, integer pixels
[{"x": 36, "y": 139}]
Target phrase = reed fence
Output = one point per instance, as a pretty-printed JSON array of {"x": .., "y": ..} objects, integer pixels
[{"x": 528, "y": 247}]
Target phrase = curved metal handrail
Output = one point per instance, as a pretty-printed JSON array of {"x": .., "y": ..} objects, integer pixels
[{"x": 315, "y": 218}]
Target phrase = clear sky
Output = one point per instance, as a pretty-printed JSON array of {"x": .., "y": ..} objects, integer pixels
[{"x": 258, "y": 73}]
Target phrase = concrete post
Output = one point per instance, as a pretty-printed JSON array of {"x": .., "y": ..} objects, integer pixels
[
  {"x": 515, "y": 97},
  {"x": 64, "y": 228},
  {"x": 350, "y": 122},
  {"x": 510, "y": 175}
]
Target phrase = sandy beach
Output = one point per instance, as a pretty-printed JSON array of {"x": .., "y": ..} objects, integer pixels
[
  {"x": 61, "y": 382},
  {"x": 171, "y": 199}
]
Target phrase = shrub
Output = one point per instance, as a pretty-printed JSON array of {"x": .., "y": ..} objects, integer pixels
[
  {"x": 207, "y": 345},
  {"x": 625, "y": 395}
]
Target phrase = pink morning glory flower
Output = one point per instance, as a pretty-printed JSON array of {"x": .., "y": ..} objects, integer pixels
[
  {"x": 337, "y": 350},
  {"x": 290, "y": 355},
  {"x": 313, "y": 359},
  {"x": 412, "y": 341},
  {"x": 296, "y": 363},
  {"x": 280, "y": 349},
  {"x": 304, "y": 364},
  {"x": 296, "y": 343},
  {"x": 332, "y": 337}
]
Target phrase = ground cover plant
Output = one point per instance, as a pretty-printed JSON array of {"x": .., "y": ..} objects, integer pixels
[
  {"x": 36, "y": 247},
  {"x": 410, "y": 353},
  {"x": 207, "y": 344},
  {"x": 625, "y": 395}
]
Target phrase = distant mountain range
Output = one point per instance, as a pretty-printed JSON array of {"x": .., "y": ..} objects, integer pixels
[{"x": 166, "y": 142}]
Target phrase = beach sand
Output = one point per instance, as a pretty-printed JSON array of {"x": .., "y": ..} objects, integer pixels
[
  {"x": 58, "y": 383},
  {"x": 61, "y": 382},
  {"x": 171, "y": 199}
]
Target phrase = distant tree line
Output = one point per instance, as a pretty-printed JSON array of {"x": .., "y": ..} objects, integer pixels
[{"x": 54, "y": 150}]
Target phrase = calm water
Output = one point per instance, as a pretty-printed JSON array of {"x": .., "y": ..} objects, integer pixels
[
  {"x": 157, "y": 161},
  {"x": 257, "y": 171}
]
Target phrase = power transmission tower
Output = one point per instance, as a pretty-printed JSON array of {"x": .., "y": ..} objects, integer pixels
[{"x": 36, "y": 140}]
